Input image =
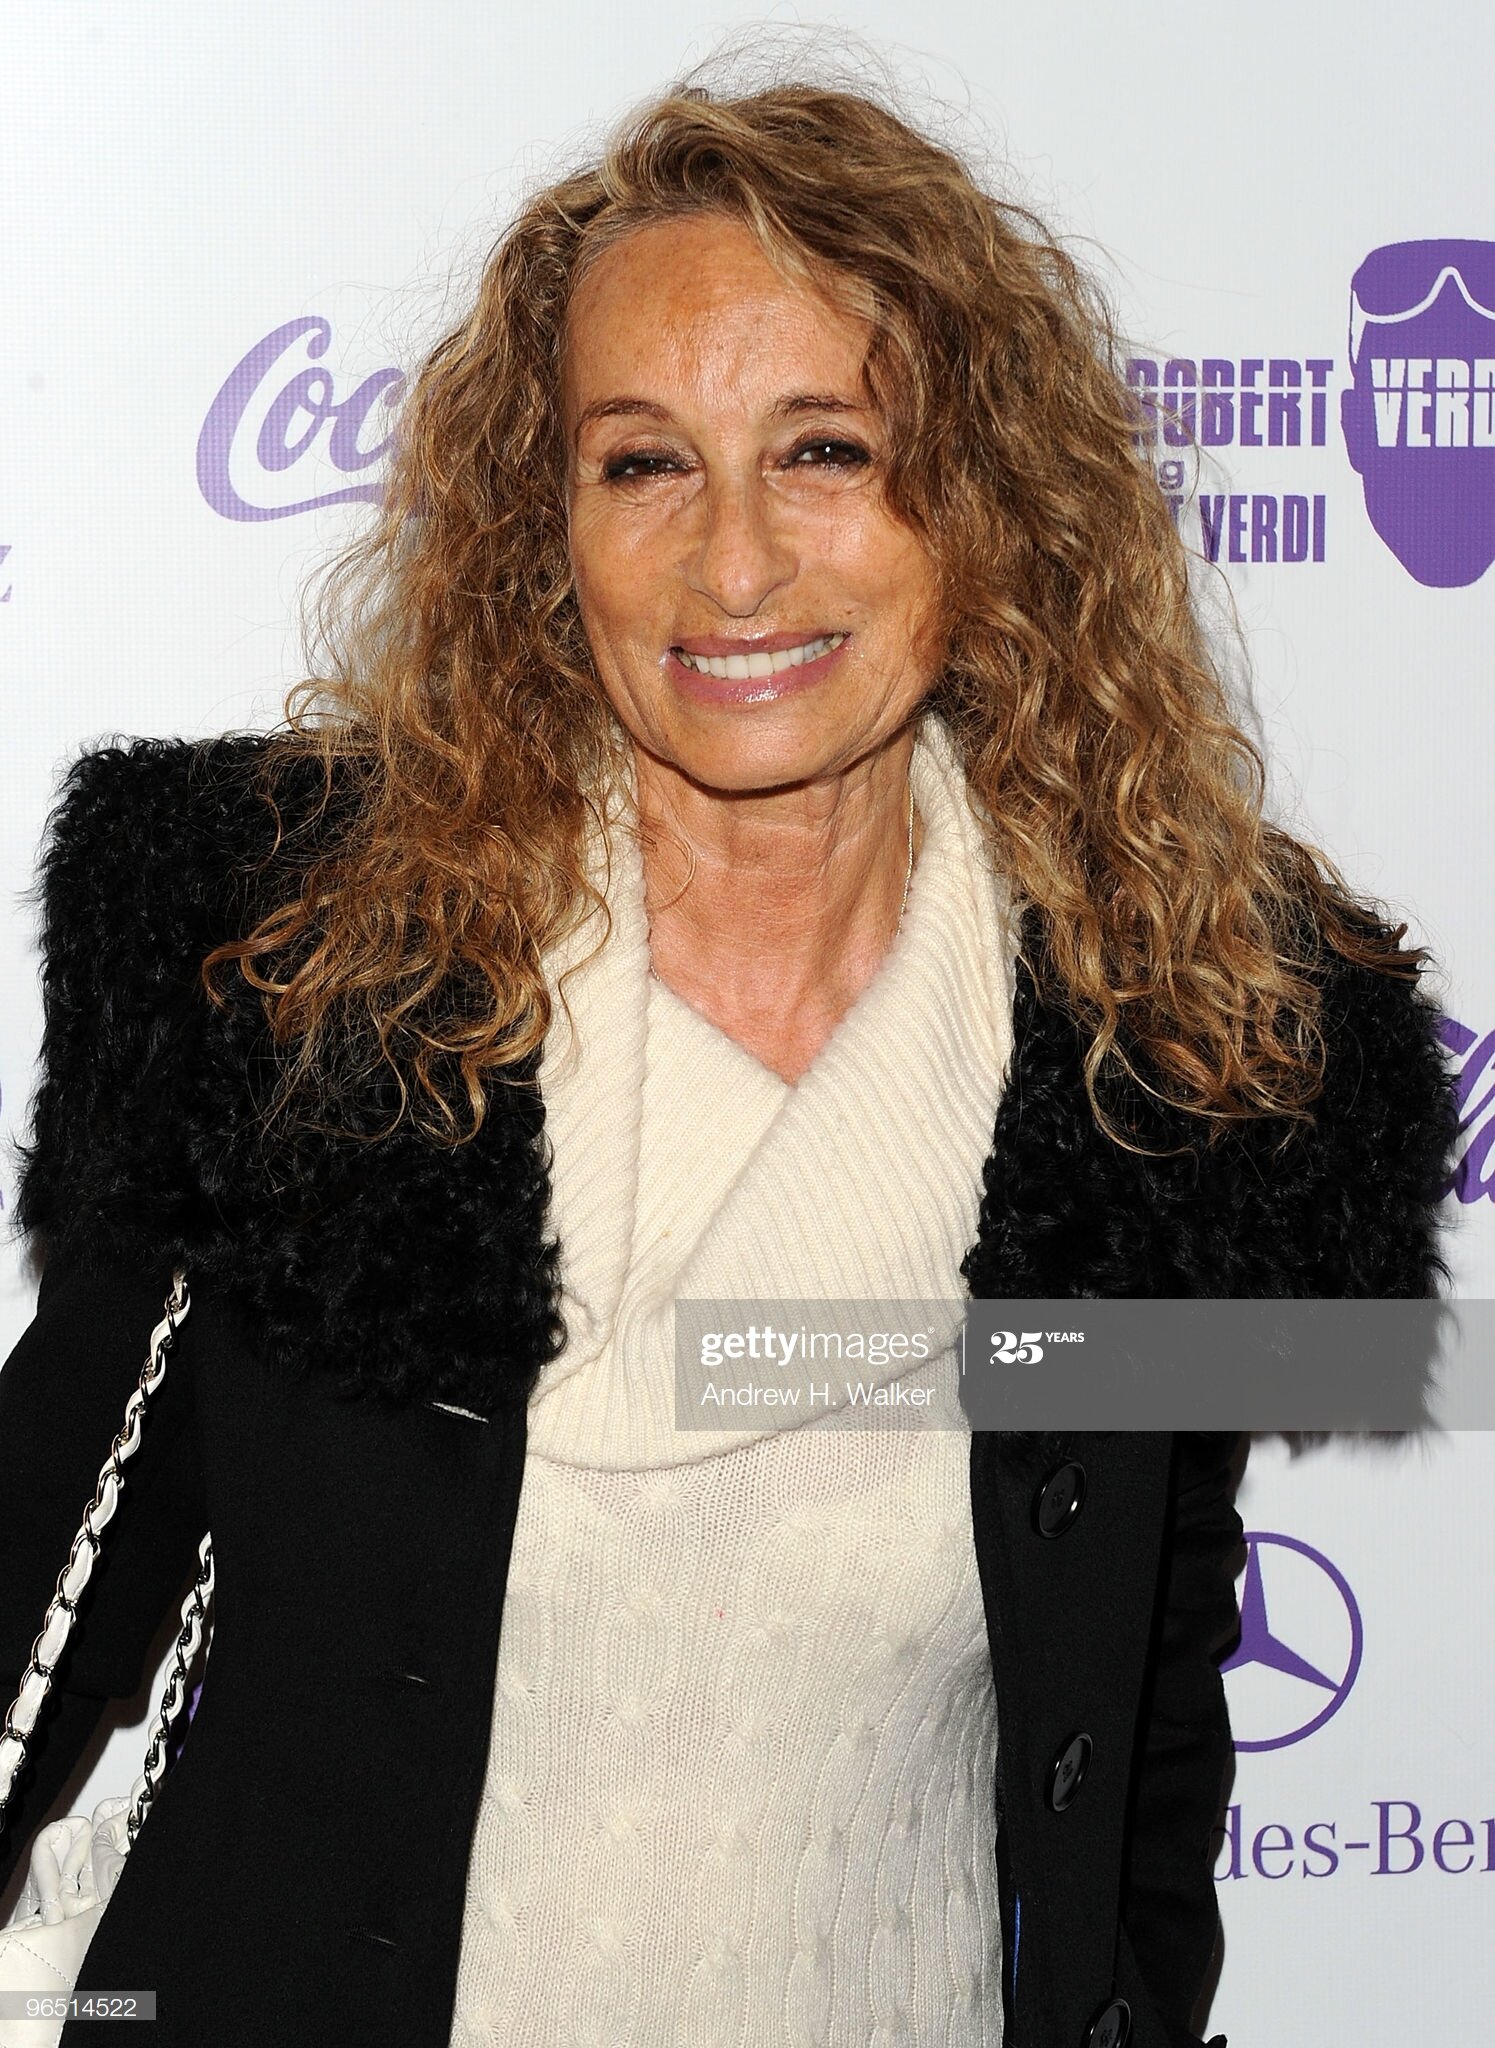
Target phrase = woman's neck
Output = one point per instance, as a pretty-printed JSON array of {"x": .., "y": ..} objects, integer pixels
[{"x": 770, "y": 914}]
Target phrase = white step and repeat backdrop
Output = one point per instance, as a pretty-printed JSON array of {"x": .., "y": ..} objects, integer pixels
[{"x": 226, "y": 236}]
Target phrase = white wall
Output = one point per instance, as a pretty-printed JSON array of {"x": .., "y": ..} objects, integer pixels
[{"x": 180, "y": 182}]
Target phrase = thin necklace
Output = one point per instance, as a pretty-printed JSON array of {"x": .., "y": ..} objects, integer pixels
[{"x": 908, "y": 875}]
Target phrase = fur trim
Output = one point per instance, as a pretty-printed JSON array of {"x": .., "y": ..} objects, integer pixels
[
  {"x": 405, "y": 1269},
  {"x": 410, "y": 1270}
]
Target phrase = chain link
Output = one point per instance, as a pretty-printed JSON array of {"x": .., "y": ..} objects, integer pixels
[
  {"x": 36, "y": 1681},
  {"x": 194, "y": 1613}
]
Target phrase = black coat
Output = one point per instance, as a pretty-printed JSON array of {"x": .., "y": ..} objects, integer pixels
[{"x": 346, "y": 1411}]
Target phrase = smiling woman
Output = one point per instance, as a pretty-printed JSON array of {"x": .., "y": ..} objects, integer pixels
[
  {"x": 761, "y": 621},
  {"x": 780, "y": 322},
  {"x": 766, "y": 836},
  {"x": 796, "y": 372}
]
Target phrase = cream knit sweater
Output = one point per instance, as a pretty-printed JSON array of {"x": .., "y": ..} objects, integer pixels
[{"x": 740, "y": 1776}]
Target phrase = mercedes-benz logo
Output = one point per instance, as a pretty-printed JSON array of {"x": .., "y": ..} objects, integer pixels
[{"x": 1301, "y": 1641}]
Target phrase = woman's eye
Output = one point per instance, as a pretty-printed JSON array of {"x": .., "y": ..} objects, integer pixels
[
  {"x": 823, "y": 452},
  {"x": 827, "y": 453},
  {"x": 641, "y": 463}
]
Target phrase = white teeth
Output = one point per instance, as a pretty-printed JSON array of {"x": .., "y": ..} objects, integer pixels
[{"x": 740, "y": 668}]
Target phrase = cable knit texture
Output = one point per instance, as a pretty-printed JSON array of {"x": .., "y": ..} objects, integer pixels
[{"x": 739, "y": 1783}]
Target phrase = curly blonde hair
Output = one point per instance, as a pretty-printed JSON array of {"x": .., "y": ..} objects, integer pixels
[{"x": 461, "y": 706}]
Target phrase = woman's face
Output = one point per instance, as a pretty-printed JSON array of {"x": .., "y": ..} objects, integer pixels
[{"x": 726, "y": 508}]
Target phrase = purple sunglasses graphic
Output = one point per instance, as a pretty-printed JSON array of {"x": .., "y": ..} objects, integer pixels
[{"x": 1419, "y": 417}]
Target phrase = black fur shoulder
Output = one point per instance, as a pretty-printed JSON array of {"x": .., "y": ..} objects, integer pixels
[
  {"x": 152, "y": 855},
  {"x": 1348, "y": 1206},
  {"x": 390, "y": 1265}
]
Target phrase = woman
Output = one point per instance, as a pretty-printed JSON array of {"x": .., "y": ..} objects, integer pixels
[{"x": 769, "y": 830}]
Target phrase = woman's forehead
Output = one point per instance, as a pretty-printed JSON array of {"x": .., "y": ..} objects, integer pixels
[{"x": 697, "y": 305}]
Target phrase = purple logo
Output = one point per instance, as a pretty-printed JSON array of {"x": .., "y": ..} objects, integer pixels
[
  {"x": 1261, "y": 402},
  {"x": 278, "y": 409},
  {"x": 1474, "y": 1175},
  {"x": 1300, "y": 1647},
  {"x": 1419, "y": 417}
]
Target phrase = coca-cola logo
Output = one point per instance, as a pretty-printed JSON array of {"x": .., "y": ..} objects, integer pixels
[{"x": 279, "y": 411}]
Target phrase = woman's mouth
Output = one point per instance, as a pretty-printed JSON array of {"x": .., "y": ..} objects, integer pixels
[
  {"x": 741, "y": 668},
  {"x": 757, "y": 673}
]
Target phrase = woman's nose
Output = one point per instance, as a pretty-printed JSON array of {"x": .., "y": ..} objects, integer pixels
[{"x": 743, "y": 552}]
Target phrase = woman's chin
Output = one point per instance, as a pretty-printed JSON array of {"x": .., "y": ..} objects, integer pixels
[{"x": 733, "y": 755}]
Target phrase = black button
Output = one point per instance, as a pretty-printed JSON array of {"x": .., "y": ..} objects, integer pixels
[
  {"x": 1068, "y": 1771},
  {"x": 1111, "y": 2026},
  {"x": 409, "y": 1681},
  {"x": 1059, "y": 1500}
]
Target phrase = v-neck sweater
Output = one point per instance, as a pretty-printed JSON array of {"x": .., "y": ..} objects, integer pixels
[{"x": 744, "y": 1728}]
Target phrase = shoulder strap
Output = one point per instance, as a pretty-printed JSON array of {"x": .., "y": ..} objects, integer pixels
[{"x": 46, "y": 1651}]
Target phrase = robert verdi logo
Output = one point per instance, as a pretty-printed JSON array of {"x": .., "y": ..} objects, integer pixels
[
  {"x": 1296, "y": 1665},
  {"x": 281, "y": 409},
  {"x": 1417, "y": 414},
  {"x": 1266, "y": 402}
]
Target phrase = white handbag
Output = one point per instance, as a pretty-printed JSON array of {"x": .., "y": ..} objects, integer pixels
[{"x": 75, "y": 1862}]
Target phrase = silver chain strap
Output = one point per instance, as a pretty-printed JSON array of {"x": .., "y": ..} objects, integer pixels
[
  {"x": 194, "y": 1610},
  {"x": 46, "y": 1651}
]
